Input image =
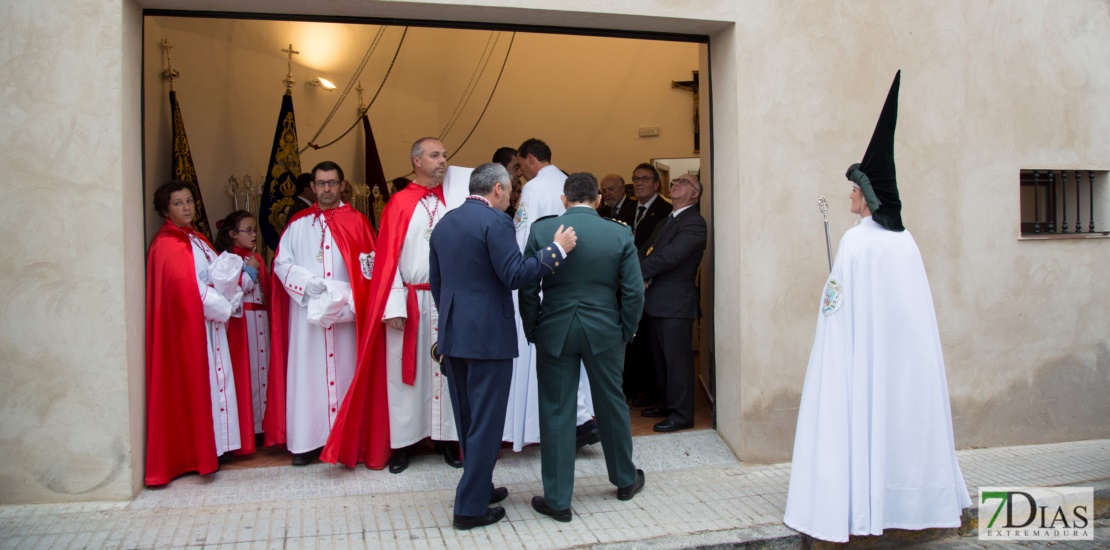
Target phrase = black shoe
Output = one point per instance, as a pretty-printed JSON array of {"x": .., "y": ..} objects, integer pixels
[
  {"x": 259, "y": 439},
  {"x": 642, "y": 402},
  {"x": 655, "y": 412},
  {"x": 626, "y": 493},
  {"x": 224, "y": 458},
  {"x": 498, "y": 494},
  {"x": 540, "y": 506},
  {"x": 400, "y": 460},
  {"x": 304, "y": 459},
  {"x": 493, "y": 515},
  {"x": 586, "y": 434},
  {"x": 669, "y": 425},
  {"x": 450, "y": 452}
]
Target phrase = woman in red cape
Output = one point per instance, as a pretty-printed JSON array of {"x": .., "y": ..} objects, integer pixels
[{"x": 181, "y": 435}]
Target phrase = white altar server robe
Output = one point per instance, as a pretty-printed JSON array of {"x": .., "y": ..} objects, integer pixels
[{"x": 221, "y": 380}]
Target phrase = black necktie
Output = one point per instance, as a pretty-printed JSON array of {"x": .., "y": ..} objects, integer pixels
[{"x": 639, "y": 216}]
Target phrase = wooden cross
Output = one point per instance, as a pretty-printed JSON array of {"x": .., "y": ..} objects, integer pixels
[{"x": 692, "y": 86}]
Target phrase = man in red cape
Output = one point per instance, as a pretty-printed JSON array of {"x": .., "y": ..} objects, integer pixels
[
  {"x": 354, "y": 239},
  {"x": 354, "y": 437}
]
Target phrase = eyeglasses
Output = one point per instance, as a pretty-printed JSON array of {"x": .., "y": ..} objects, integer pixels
[
  {"x": 677, "y": 182},
  {"x": 248, "y": 231},
  {"x": 328, "y": 183},
  {"x": 643, "y": 179}
]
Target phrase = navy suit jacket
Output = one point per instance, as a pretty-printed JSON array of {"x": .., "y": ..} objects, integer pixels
[{"x": 475, "y": 265}]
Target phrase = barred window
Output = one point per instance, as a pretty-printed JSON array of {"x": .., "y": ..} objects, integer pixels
[{"x": 1064, "y": 203}]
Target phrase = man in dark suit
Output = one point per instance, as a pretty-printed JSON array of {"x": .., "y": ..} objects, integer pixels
[
  {"x": 305, "y": 196},
  {"x": 669, "y": 264},
  {"x": 598, "y": 290},
  {"x": 474, "y": 266},
  {"x": 615, "y": 204},
  {"x": 650, "y": 209}
]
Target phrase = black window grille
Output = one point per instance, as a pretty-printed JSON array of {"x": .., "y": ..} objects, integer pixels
[{"x": 1058, "y": 203}]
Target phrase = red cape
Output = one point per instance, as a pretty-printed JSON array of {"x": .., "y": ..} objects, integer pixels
[
  {"x": 364, "y": 415},
  {"x": 353, "y": 235},
  {"x": 179, "y": 435},
  {"x": 238, "y": 347}
]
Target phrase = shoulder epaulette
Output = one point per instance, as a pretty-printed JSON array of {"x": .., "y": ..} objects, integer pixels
[
  {"x": 546, "y": 217},
  {"x": 619, "y": 222}
]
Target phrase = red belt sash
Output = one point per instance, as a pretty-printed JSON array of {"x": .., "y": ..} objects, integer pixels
[
  {"x": 412, "y": 324},
  {"x": 251, "y": 306}
]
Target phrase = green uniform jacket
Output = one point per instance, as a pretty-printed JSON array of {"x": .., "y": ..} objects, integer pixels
[{"x": 601, "y": 284}]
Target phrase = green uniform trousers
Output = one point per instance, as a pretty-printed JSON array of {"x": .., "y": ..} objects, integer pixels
[{"x": 558, "y": 390}]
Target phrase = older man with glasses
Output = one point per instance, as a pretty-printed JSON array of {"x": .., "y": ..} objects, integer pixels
[
  {"x": 669, "y": 263},
  {"x": 323, "y": 268}
]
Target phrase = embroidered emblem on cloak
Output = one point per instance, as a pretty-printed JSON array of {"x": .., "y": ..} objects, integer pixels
[
  {"x": 832, "y": 298},
  {"x": 367, "y": 263},
  {"x": 521, "y": 217}
]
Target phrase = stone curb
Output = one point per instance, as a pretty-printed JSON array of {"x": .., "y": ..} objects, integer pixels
[{"x": 781, "y": 537}]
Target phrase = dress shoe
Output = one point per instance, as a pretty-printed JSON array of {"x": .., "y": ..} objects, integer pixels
[
  {"x": 304, "y": 459},
  {"x": 540, "y": 506},
  {"x": 400, "y": 460},
  {"x": 642, "y": 402},
  {"x": 655, "y": 412},
  {"x": 586, "y": 434},
  {"x": 669, "y": 425},
  {"x": 626, "y": 493},
  {"x": 492, "y": 515},
  {"x": 498, "y": 494},
  {"x": 450, "y": 452}
]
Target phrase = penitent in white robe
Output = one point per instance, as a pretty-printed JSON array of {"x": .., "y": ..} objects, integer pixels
[
  {"x": 874, "y": 447},
  {"x": 221, "y": 379},
  {"x": 540, "y": 197},
  {"x": 424, "y": 409},
  {"x": 321, "y": 359}
]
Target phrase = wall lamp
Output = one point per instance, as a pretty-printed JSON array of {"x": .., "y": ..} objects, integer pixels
[{"x": 322, "y": 83}]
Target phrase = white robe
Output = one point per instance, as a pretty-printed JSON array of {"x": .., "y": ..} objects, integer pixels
[
  {"x": 221, "y": 379},
  {"x": 321, "y": 359},
  {"x": 258, "y": 347},
  {"x": 874, "y": 447},
  {"x": 541, "y": 196},
  {"x": 422, "y": 410}
]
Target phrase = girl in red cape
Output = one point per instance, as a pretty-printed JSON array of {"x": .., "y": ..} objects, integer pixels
[{"x": 248, "y": 336}]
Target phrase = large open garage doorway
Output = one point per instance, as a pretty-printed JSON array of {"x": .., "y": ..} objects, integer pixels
[{"x": 605, "y": 100}]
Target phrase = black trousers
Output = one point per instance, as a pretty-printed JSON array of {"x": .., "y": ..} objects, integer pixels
[
  {"x": 639, "y": 365},
  {"x": 672, "y": 341}
]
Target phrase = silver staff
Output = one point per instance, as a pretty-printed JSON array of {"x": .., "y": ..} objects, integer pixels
[{"x": 823, "y": 204}]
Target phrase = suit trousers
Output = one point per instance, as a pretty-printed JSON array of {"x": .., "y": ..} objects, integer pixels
[
  {"x": 479, "y": 396},
  {"x": 639, "y": 365},
  {"x": 672, "y": 340},
  {"x": 558, "y": 386}
]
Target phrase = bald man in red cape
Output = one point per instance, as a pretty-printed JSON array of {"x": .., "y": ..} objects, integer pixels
[{"x": 353, "y": 438}]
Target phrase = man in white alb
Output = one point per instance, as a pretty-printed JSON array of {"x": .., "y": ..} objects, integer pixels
[
  {"x": 541, "y": 197},
  {"x": 323, "y": 265}
]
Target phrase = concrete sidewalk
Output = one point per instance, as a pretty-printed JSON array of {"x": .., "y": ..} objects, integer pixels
[{"x": 697, "y": 495}]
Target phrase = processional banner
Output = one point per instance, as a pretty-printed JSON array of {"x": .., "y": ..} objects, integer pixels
[
  {"x": 280, "y": 189},
  {"x": 183, "y": 169}
]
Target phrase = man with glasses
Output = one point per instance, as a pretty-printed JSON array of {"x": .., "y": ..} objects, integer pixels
[
  {"x": 322, "y": 265},
  {"x": 669, "y": 263},
  {"x": 650, "y": 208}
]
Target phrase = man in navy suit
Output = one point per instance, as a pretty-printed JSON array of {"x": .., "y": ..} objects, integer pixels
[{"x": 475, "y": 265}]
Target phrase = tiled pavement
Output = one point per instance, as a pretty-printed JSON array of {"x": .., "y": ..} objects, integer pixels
[{"x": 697, "y": 494}]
